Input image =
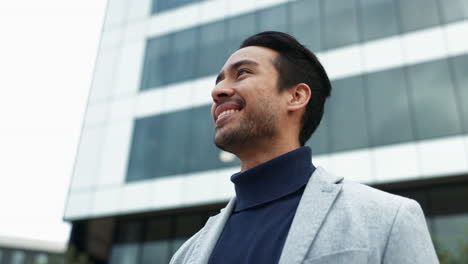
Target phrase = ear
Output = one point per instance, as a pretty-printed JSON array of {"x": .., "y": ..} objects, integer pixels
[{"x": 299, "y": 96}]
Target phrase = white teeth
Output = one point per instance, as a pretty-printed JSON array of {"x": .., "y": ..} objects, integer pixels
[{"x": 227, "y": 112}]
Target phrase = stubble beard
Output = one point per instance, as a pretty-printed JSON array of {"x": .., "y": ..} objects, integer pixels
[{"x": 252, "y": 128}]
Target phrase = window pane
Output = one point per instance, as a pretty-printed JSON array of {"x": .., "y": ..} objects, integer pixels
[
  {"x": 162, "y": 5},
  {"x": 156, "y": 252},
  {"x": 347, "y": 115},
  {"x": 158, "y": 229},
  {"x": 460, "y": 67},
  {"x": 454, "y": 10},
  {"x": 146, "y": 149},
  {"x": 305, "y": 23},
  {"x": 212, "y": 49},
  {"x": 273, "y": 19},
  {"x": 320, "y": 141},
  {"x": 17, "y": 257},
  {"x": 341, "y": 26},
  {"x": 130, "y": 232},
  {"x": 181, "y": 64},
  {"x": 157, "y": 59},
  {"x": 188, "y": 225},
  {"x": 239, "y": 28},
  {"x": 389, "y": 115},
  {"x": 433, "y": 99},
  {"x": 175, "y": 146},
  {"x": 41, "y": 259},
  {"x": 379, "y": 18},
  {"x": 177, "y": 243},
  {"x": 124, "y": 253},
  {"x": 450, "y": 235},
  {"x": 418, "y": 14}
]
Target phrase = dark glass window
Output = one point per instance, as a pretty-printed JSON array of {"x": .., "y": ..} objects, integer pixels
[
  {"x": 163, "y": 5},
  {"x": 453, "y": 10},
  {"x": 176, "y": 139},
  {"x": 347, "y": 115},
  {"x": 340, "y": 23},
  {"x": 127, "y": 247},
  {"x": 156, "y": 248},
  {"x": 212, "y": 51},
  {"x": 239, "y": 28},
  {"x": 389, "y": 115},
  {"x": 157, "y": 61},
  {"x": 182, "y": 59},
  {"x": 273, "y": 18},
  {"x": 379, "y": 19},
  {"x": 433, "y": 100},
  {"x": 460, "y": 68},
  {"x": 320, "y": 139},
  {"x": 146, "y": 150},
  {"x": 418, "y": 14},
  {"x": 305, "y": 23},
  {"x": 154, "y": 239}
]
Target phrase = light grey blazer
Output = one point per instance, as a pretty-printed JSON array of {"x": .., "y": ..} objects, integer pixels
[{"x": 336, "y": 222}]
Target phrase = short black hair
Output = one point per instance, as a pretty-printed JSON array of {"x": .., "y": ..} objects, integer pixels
[{"x": 296, "y": 64}]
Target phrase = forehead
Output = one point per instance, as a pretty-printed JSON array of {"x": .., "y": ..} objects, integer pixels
[{"x": 265, "y": 57}]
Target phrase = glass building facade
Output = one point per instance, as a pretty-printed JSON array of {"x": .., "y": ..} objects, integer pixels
[{"x": 147, "y": 174}]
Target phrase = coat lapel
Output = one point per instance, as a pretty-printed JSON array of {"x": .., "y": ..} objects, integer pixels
[
  {"x": 319, "y": 195},
  {"x": 212, "y": 230}
]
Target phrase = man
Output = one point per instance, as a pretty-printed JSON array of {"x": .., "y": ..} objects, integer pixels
[{"x": 268, "y": 100}]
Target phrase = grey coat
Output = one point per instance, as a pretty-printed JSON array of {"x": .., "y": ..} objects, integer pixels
[{"x": 337, "y": 222}]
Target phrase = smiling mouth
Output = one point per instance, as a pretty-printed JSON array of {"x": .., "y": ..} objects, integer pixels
[{"x": 225, "y": 114}]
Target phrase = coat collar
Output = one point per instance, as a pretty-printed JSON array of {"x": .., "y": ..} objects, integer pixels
[{"x": 319, "y": 195}]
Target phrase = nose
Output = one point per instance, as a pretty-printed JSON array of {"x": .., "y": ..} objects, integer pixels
[{"x": 221, "y": 93}]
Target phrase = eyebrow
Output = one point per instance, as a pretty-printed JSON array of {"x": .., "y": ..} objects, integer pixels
[{"x": 235, "y": 66}]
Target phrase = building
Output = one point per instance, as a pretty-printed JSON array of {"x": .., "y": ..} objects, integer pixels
[
  {"x": 147, "y": 175},
  {"x": 15, "y": 250}
]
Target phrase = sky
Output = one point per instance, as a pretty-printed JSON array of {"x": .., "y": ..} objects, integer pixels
[{"x": 48, "y": 50}]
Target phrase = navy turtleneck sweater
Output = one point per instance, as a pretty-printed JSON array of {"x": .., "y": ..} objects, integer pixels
[{"x": 267, "y": 197}]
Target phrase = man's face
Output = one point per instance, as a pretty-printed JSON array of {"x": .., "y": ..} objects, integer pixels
[{"x": 246, "y": 101}]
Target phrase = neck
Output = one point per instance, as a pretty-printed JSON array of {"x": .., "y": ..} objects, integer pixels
[{"x": 259, "y": 153}]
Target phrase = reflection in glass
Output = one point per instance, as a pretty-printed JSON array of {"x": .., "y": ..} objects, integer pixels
[
  {"x": 347, "y": 115},
  {"x": 305, "y": 23},
  {"x": 177, "y": 243},
  {"x": 41, "y": 259},
  {"x": 433, "y": 100},
  {"x": 320, "y": 140},
  {"x": 212, "y": 51},
  {"x": 340, "y": 23},
  {"x": 450, "y": 236},
  {"x": 176, "y": 143},
  {"x": 388, "y": 107},
  {"x": 460, "y": 68},
  {"x": 181, "y": 65},
  {"x": 157, "y": 59},
  {"x": 379, "y": 19},
  {"x": 156, "y": 252},
  {"x": 453, "y": 10},
  {"x": 124, "y": 253},
  {"x": 239, "y": 28},
  {"x": 146, "y": 148},
  {"x": 418, "y": 14},
  {"x": 17, "y": 257},
  {"x": 163, "y": 5},
  {"x": 273, "y": 19}
]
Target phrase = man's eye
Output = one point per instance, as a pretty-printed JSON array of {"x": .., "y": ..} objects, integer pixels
[{"x": 241, "y": 72}]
